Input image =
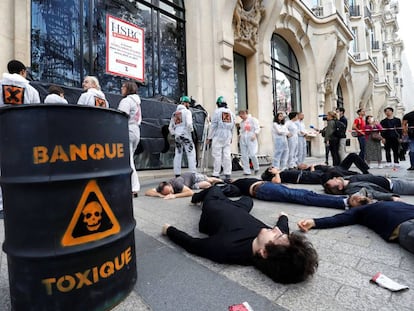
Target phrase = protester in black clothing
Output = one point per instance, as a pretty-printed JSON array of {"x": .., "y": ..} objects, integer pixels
[
  {"x": 392, "y": 134},
  {"x": 330, "y": 137},
  {"x": 315, "y": 174},
  {"x": 236, "y": 237},
  {"x": 408, "y": 129},
  {"x": 340, "y": 111},
  {"x": 393, "y": 221}
]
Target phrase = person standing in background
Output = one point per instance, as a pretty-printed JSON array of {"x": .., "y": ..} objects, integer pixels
[
  {"x": 15, "y": 89},
  {"x": 249, "y": 131},
  {"x": 56, "y": 95},
  {"x": 131, "y": 105},
  {"x": 340, "y": 112},
  {"x": 359, "y": 127},
  {"x": 93, "y": 95},
  {"x": 301, "y": 139},
  {"x": 373, "y": 140},
  {"x": 331, "y": 139},
  {"x": 181, "y": 127},
  {"x": 220, "y": 136},
  {"x": 292, "y": 139},
  {"x": 408, "y": 129},
  {"x": 392, "y": 134},
  {"x": 280, "y": 133}
]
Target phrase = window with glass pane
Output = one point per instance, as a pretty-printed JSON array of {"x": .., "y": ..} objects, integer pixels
[
  {"x": 69, "y": 42},
  {"x": 285, "y": 77},
  {"x": 240, "y": 82}
]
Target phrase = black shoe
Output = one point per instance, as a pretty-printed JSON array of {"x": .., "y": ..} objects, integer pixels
[{"x": 410, "y": 168}]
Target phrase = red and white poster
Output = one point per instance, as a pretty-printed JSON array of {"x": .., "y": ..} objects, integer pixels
[{"x": 124, "y": 49}]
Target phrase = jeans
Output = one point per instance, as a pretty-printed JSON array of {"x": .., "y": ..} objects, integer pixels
[
  {"x": 402, "y": 186},
  {"x": 280, "y": 193},
  {"x": 406, "y": 236},
  {"x": 361, "y": 141}
]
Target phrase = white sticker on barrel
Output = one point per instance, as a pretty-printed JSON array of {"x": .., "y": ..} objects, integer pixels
[{"x": 93, "y": 218}]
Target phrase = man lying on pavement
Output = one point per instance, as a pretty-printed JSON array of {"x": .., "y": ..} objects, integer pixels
[
  {"x": 393, "y": 221},
  {"x": 236, "y": 237}
]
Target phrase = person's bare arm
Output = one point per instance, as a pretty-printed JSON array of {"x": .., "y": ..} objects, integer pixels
[
  {"x": 187, "y": 192},
  {"x": 276, "y": 179},
  {"x": 153, "y": 193}
]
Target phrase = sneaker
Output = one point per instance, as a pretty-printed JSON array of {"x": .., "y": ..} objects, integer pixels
[
  {"x": 388, "y": 164},
  {"x": 380, "y": 166},
  {"x": 396, "y": 165}
]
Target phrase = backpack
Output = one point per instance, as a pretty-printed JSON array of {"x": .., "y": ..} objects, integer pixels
[{"x": 340, "y": 129}]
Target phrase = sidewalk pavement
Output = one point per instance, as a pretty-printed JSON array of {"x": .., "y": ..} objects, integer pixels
[{"x": 171, "y": 279}]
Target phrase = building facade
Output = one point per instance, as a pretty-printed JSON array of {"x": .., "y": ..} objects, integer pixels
[{"x": 261, "y": 55}]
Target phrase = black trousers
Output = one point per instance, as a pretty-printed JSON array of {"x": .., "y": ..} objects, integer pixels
[{"x": 392, "y": 144}]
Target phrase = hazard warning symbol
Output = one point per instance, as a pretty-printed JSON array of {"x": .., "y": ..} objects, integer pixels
[{"x": 93, "y": 218}]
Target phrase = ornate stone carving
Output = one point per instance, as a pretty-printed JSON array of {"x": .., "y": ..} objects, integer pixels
[
  {"x": 329, "y": 76},
  {"x": 246, "y": 22}
]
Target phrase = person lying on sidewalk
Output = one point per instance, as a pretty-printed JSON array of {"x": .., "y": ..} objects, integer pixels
[
  {"x": 236, "y": 237},
  {"x": 393, "y": 221},
  {"x": 268, "y": 191},
  {"x": 377, "y": 187},
  {"x": 313, "y": 174},
  {"x": 180, "y": 187}
]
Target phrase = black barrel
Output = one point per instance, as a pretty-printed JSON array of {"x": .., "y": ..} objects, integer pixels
[{"x": 69, "y": 225}]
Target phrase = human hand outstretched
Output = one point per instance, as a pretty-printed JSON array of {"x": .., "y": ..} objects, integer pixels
[{"x": 306, "y": 224}]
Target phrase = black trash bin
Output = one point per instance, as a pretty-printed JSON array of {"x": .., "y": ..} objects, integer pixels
[{"x": 69, "y": 225}]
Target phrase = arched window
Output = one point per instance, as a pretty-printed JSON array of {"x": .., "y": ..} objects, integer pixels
[
  {"x": 285, "y": 77},
  {"x": 69, "y": 42},
  {"x": 340, "y": 100}
]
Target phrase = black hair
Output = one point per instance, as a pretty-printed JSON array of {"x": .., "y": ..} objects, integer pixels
[
  {"x": 291, "y": 263},
  {"x": 292, "y": 114},
  {"x": 389, "y": 108},
  {"x": 161, "y": 186},
  {"x": 332, "y": 190},
  {"x": 267, "y": 174},
  {"x": 276, "y": 118},
  {"x": 341, "y": 109},
  {"x": 15, "y": 66}
]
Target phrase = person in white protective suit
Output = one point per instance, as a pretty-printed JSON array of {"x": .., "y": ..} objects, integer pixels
[
  {"x": 181, "y": 127},
  {"x": 221, "y": 135},
  {"x": 93, "y": 95},
  {"x": 292, "y": 139},
  {"x": 301, "y": 139},
  {"x": 131, "y": 105},
  {"x": 15, "y": 88},
  {"x": 248, "y": 141}
]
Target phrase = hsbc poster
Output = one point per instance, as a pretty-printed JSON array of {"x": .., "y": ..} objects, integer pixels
[{"x": 124, "y": 49}]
